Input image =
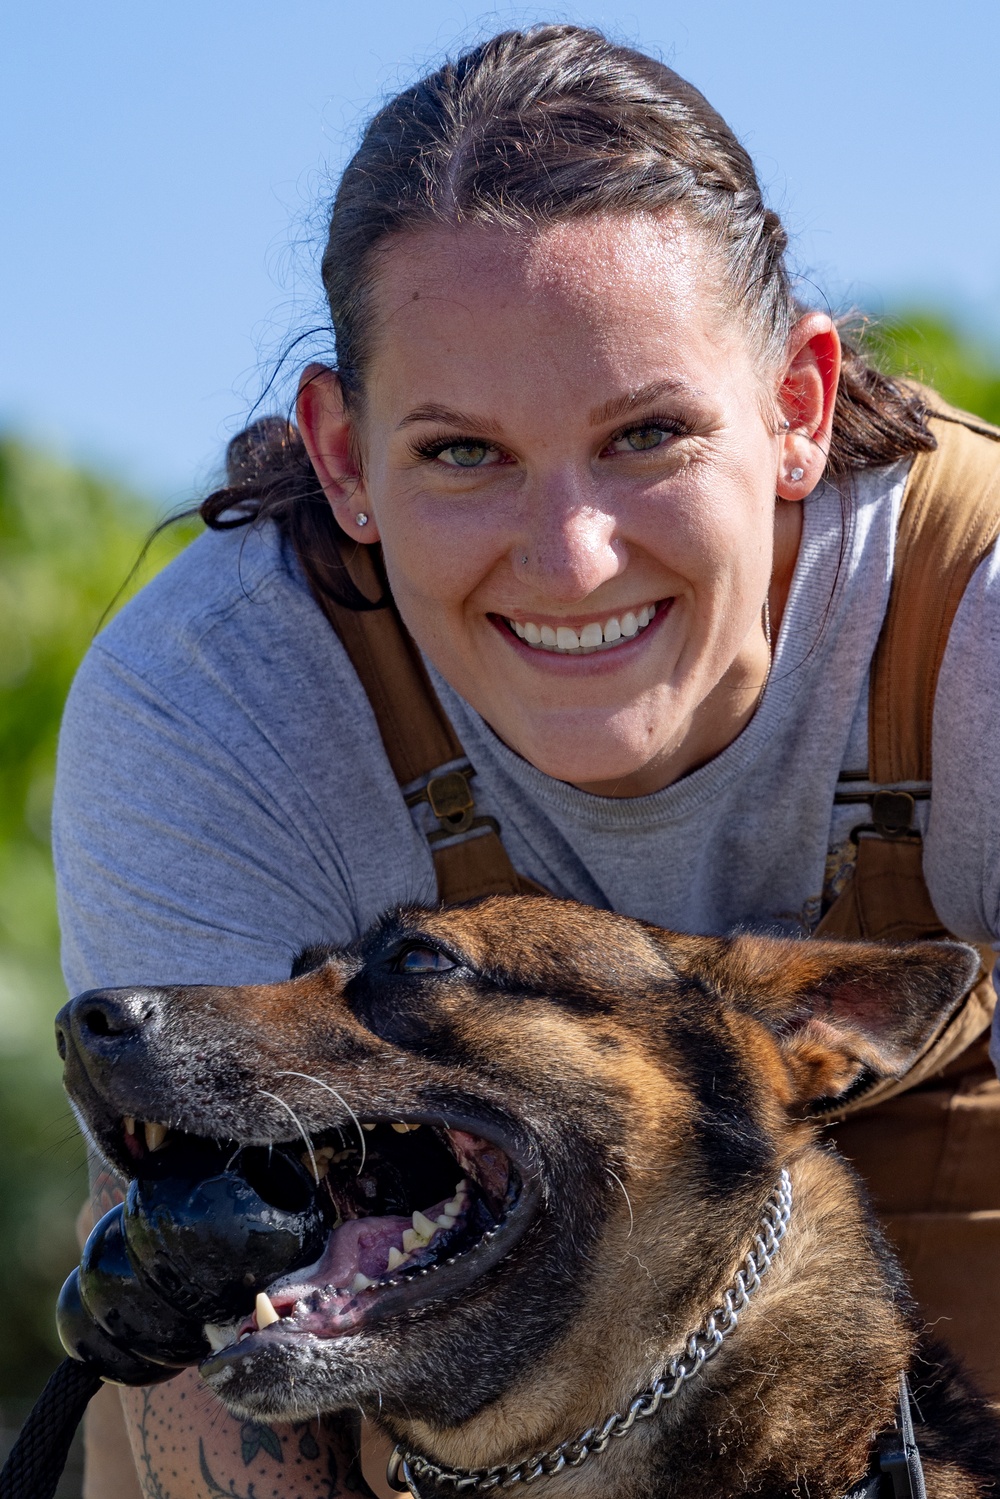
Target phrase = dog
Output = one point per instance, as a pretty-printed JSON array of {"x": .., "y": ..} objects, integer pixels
[{"x": 586, "y": 1231}]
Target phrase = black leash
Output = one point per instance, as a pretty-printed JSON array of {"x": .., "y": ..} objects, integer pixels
[
  {"x": 896, "y": 1471},
  {"x": 36, "y": 1460}
]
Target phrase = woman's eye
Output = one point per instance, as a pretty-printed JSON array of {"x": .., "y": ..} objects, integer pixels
[
  {"x": 639, "y": 439},
  {"x": 422, "y": 960},
  {"x": 469, "y": 455}
]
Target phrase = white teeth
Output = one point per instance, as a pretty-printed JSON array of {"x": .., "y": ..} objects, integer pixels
[
  {"x": 265, "y": 1310},
  {"x": 395, "y": 1258},
  {"x": 589, "y": 637},
  {"x": 129, "y": 1123},
  {"x": 155, "y": 1135},
  {"x": 424, "y": 1226},
  {"x": 361, "y": 1282},
  {"x": 412, "y": 1240},
  {"x": 444, "y": 1221}
]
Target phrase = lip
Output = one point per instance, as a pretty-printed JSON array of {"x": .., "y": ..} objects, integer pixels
[{"x": 594, "y": 663}]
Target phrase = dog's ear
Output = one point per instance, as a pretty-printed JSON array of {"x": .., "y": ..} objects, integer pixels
[{"x": 841, "y": 1008}]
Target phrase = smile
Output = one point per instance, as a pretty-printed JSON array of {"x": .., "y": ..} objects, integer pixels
[{"x": 595, "y": 636}]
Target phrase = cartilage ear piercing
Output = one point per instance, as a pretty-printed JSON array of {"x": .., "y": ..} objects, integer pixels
[
  {"x": 361, "y": 519},
  {"x": 796, "y": 474},
  {"x": 786, "y": 424}
]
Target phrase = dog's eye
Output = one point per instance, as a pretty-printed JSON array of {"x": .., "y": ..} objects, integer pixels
[{"x": 422, "y": 960}]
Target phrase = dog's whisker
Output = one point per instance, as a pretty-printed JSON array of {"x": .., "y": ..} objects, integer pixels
[
  {"x": 628, "y": 1200},
  {"x": 299, "y": 1127},
  {"x": 307, "y": 1077}
]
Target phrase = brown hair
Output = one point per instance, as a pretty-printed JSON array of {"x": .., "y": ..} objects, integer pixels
[{"x": 536, "y": 127}]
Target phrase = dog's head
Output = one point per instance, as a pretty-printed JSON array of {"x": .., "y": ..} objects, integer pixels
[{"x": 532, "y": 1118}]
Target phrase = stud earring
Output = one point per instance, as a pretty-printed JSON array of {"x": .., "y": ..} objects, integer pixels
[
  {"x": 786, "y": 424},
  {"x": 361, "y": 519},
  {"x": 796, "y": 474}
]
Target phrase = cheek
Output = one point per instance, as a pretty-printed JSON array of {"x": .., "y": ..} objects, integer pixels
[{"x": 440, "y": 552}]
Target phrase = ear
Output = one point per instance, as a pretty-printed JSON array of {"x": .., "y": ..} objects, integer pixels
[
  {"x": 330, "y": 438},
  {"x": 841, "y": 1008},
  {"x": 806, "y": 398}
]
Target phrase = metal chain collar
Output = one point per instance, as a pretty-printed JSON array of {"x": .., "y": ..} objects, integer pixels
[{"x": 408, "y": 1469}]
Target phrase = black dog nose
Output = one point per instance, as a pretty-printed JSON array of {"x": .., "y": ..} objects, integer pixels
[{"x": 103, "y": 1021}]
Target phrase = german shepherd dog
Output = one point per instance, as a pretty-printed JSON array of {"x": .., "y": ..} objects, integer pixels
[{"x": 584, "y": 1229}]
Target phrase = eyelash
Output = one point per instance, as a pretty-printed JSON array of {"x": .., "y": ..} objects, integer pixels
[{"x": 433, "y": 447}]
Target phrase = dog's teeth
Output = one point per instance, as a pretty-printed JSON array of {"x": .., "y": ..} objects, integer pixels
[
  {"x": 366, "y": 1125},
  {"x": 424, "y": 1226},
  {"x": 129, "y": 1124},
  {"x": 155, "y": 1135},
  {"x": 444, "y": 1221},
  {"x": 395, "y": 1258},
  {"x": 361, "y": 1282},
  {"x": 412, "y": 1240},
  {"x": 265, "y": 1310}
]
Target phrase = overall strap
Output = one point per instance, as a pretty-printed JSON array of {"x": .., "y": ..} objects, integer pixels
[
  {"x": 949, "y": 523},
  {"x": 422, "y": 747}
]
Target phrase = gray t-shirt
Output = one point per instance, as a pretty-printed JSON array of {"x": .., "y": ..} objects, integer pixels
[{"x": 223, "y": 798}]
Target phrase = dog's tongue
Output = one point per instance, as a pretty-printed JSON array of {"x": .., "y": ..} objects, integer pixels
[{"x": 360, "y": 1244}]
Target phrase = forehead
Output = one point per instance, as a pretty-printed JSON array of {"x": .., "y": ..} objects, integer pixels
[{"x": 607, "y": 295}]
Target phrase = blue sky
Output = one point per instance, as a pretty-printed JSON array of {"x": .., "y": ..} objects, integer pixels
[{"x": 164, "y": 167}]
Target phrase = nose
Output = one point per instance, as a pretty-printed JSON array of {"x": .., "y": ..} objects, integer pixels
[
  {"x": 571, "y": 546},
  {"x": 103, "y": 1024}
]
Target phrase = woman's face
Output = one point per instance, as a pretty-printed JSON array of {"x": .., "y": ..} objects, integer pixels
[{"x": 570, "y": 458}]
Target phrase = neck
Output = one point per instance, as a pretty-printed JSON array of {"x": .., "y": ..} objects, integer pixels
[{"x": 795, "y": 1391}]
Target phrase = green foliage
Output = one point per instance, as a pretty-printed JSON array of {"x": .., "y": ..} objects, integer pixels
[
  {"x": 929, "y": 347},
  {"x": 67, "y": 543}
]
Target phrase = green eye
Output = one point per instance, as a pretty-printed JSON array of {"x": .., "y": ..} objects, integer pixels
[
  {"x": 641, "y": 439},
  {"x": 467, "y": 454},
  {"x": 423, "y": 960}
]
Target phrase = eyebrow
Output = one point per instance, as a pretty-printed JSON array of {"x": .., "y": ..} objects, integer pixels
[
  {"x": 620, "y": 406},
  {"x": 464, "y": 420},
  {"x": 617, "y": 407}
]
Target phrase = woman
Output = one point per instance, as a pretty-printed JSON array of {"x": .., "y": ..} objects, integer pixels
[{"x": 640, "y": 525}]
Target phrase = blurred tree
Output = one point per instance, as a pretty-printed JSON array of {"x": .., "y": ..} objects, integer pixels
[
  {"x": 930, "y": 347},
  {"x": 67, "y": 543}
]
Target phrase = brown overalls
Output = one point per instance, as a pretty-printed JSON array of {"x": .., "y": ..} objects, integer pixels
[{"x": 928, "y": 1145}]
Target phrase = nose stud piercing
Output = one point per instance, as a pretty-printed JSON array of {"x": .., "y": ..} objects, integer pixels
[
  {"x": 796, "y": 474},
  {"x": 361, "y": 519},
  {"x": 524, "y": 560}
]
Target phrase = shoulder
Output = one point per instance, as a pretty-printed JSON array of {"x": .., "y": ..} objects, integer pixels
[{"x": 229, "y": 628}]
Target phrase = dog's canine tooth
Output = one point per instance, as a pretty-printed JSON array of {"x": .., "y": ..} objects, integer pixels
[
  {"x": 156, "y": 1134},
  {"x": 129, "y": 1124},
  {"x": 264, "y": 1310}
]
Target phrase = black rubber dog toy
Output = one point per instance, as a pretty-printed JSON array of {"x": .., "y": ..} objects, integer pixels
[{"x": 184, "y": 1249}]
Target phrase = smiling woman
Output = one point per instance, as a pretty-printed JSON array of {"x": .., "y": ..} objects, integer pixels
[{"x": 644, "y": 590}]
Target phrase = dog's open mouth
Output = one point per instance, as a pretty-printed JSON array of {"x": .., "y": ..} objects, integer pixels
[{"x": 417, "y": 1212}]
